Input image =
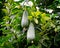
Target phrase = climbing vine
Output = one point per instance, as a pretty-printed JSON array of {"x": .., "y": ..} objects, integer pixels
[{"x": 29, "y": 24}]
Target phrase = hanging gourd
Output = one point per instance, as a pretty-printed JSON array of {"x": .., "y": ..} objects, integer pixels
[
  {"x": 24, "y": 21},
  {"x": 31, "y": 32}
]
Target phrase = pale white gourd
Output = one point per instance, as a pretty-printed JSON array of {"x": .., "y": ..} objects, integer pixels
[
  {"x": 31, "y": 32},
  {"x": 24, "y": 21}
]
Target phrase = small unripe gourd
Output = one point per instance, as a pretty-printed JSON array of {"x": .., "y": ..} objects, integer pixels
[
  {"x": 24, "y": 21},
  {"x": 31, "y": 32}
]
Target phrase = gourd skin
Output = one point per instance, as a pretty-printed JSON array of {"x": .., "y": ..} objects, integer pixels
[
  {"x": 24, "y": 21},
  {"x": 31, "y": 32}
]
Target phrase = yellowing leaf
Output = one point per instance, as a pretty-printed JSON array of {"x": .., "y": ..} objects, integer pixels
[
  {"x": 6, "y": 18},
  {"x": 41, "y": 33},
  {"x": 55, "y": 29},
  {"x": 44, "y": 18},
  {"x": 47, "y": 18},
  {"x": 18, "y": 7},
  {"x": 33, "y": 13},
  {"x": 30, "y": 17},
  {"x": 37, "y": 13},
  {"x": 52, "y": 25},
  {"x": 43, "y": 14},
  {"x": 5, "y": 10}
]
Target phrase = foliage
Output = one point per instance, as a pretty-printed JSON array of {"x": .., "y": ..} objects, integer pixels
[{"x": 46, "y": 25}]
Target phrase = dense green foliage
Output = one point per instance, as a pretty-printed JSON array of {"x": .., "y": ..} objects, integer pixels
[{"x": 45, "y": 22}]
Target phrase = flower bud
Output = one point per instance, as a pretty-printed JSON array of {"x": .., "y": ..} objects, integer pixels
[
  {"x": 31, "y": 32},
  {"x": 24, "y": 21}
]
